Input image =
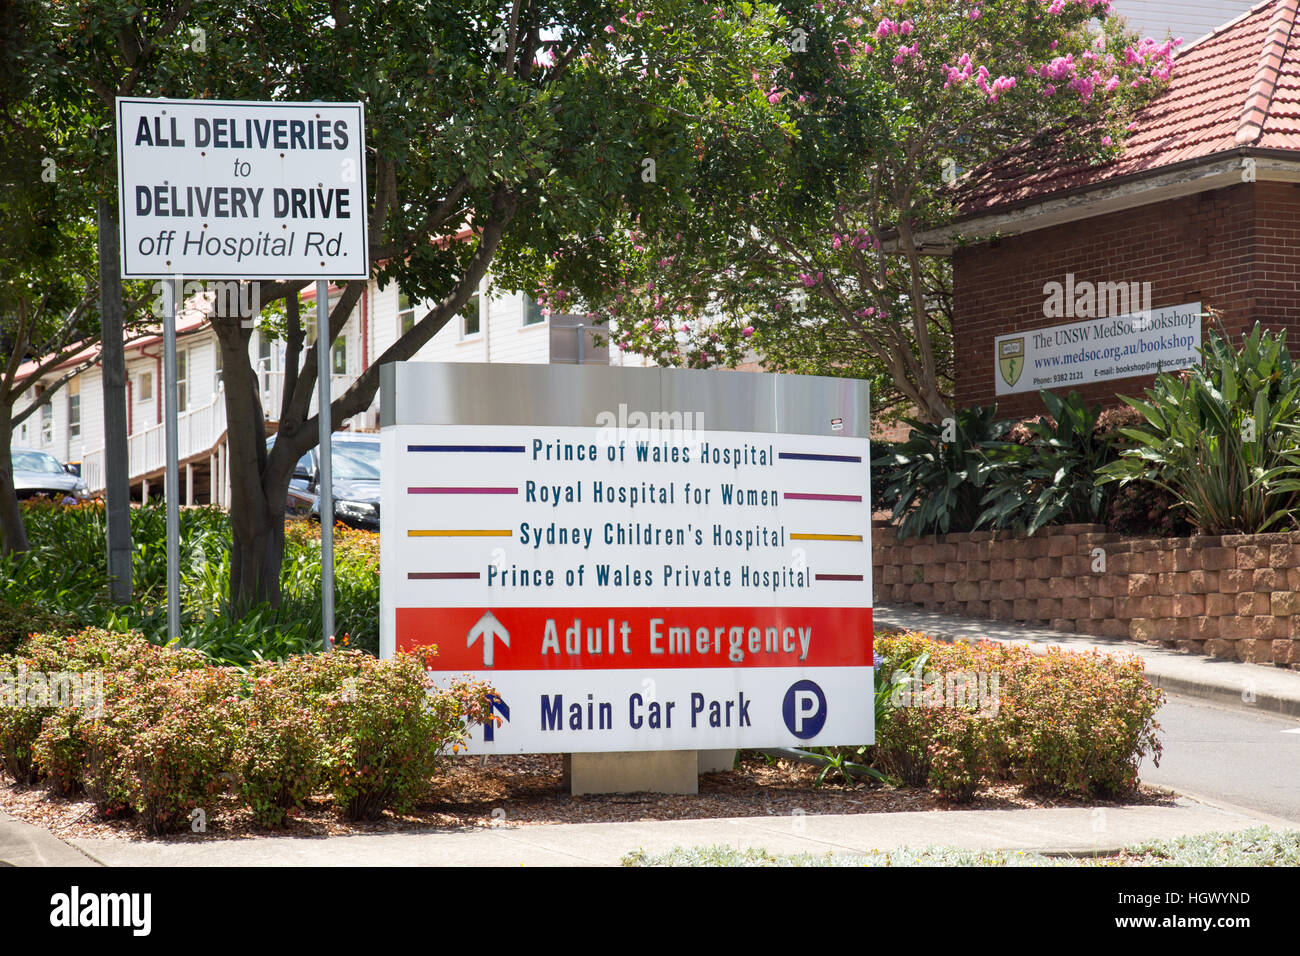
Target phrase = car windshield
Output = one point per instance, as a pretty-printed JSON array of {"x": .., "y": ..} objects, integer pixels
[
  {"x": 37, "y": 461},
  {"x": 357, "y": 461}
]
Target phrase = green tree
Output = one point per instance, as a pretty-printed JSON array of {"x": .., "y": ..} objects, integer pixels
[
  {"x": 526, "y": 122},
  {"x": 48, "y": 287}
]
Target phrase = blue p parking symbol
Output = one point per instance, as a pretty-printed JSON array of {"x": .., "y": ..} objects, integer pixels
[{"x": 804, "y": 709}]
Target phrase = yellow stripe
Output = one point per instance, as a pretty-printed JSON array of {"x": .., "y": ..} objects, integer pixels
[
  {"x": 458, "y": 534},
  {"x": 826, "y": 537}
]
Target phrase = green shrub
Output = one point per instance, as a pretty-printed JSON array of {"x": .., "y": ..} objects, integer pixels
[
  {"x": 277, "y": 756},
  {"x": 1222, "y": 437},
  {"x": 1080, "y": 724},
  {"x": 919, "y": 739},
  {"x": 1071, "y": 724},
  {"x": 1138, "y": 507},
  {"x": 19, "y": 621},
  {"x": 165, "y": 747},
  {"x": 958, "y": 752},
  {"x": 1051, "y": 475},
  {"x": 119, "y": 661},
  {"x": 385, "y": 732},
  {"x": 19, "y": 726},
  {"x": 175, "y": 731},
  {"x": 30, "y": 698},
  {"x": 936, "y": 485},
  {"x": 65, "y": 575},
  {"x": 882, "y": 475}
]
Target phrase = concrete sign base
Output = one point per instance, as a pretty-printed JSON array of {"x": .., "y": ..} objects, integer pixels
[{"x": 642, "y": 771}]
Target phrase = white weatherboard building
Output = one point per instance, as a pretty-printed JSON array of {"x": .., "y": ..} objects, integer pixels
[
  {"x": 503, "y": 327},
  {"x": 1189, "y": 19}
]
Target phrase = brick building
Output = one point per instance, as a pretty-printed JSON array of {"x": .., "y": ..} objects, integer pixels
[{"x": 1204, "y": 205}]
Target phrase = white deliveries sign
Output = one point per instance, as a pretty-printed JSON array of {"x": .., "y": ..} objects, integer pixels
[
  {"x": 638, "y": 592},
  {"x": 1098, "y": 349},
  {"x": 242, "y": 190}
]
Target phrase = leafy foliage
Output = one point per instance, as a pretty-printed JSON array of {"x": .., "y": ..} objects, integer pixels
[
  {"x": 807, "y": 250},
  {"x": 1065, "y": 723},
  {"x": 65, "y": 574},
  {"x": 1051, "y": 476},
  {"x": 385, "y": 733},
  {"x": 173, "y": 734},
  {"x": 940, "y": 473},
  {"x": 1223, "y": 438}
]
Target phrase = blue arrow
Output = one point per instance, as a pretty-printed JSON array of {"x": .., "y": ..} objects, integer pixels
[{"x": 501, "y": 707}]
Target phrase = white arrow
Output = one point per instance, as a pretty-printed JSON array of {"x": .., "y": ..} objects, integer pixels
[{"x": 488, "y": 627}]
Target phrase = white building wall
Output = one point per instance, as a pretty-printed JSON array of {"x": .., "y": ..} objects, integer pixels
[
  {"x": 1189, "y": 19},
  {"x": 503, "y": 337},
  {"x": 92, "y": 411}
]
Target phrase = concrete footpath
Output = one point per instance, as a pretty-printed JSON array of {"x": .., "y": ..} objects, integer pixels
[
  {"x": 1232, "y": 683},
  {"x": 1075, "y": 830}
]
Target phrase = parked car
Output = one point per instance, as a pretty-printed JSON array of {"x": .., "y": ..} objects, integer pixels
[
  {"x": 355, "y": 475},
  {"x": 39, "y": 473}
]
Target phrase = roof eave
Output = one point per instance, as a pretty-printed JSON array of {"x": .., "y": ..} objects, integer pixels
[{"x": 1188, "y": 177}]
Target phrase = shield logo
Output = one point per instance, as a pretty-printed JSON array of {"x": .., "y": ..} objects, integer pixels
[{"x": 1011, "y": 359}]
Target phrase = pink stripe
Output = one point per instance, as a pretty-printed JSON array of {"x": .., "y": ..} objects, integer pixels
[
  {"x": 806, "y": 496},
  {"x": 463, "y": 491}
]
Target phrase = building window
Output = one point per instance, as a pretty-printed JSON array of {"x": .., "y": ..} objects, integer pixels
[
  {"x": 182, "y": 380},
  {"x": 47, "y": 424},
  {"x": 74, "y": 408},
  {"x": 146, "y": 387},
  {"x": 219, "y": 364},
  {"x": 532, "y": 312},
  {"x": 470, "y": 317},
  {"x": 405, "y": 313},
  {"x": 339, "y": 357}
]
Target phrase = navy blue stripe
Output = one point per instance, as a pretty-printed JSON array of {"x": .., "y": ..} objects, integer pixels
[
  {"x": 800, "y": 456},
  {"x": 518, "y": 448}
]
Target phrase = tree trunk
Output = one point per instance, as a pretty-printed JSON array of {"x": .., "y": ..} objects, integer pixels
[
  {"x": 259, "y": 482},
  {"x": 13, "y": 531}
]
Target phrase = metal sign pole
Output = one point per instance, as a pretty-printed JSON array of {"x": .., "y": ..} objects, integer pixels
[
  {"x": 171, "y": 297},
  {"x": 323, "y": 343}
]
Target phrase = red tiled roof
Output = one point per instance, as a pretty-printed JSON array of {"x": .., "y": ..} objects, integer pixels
[{"x": 1238, "y": 86}]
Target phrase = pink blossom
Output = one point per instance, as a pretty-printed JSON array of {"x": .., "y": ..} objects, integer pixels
[
  {"x": 609, "y": 28},
  {"x": 747, "y": 331},
  {"x": 1106, "y": 141},
  {"x": 974, "y": 13}
]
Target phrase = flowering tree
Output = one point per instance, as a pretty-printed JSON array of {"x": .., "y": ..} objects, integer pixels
[{"x": 809, "y": 253}]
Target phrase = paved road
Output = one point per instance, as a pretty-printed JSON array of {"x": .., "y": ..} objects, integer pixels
[{"x": 1235, "y": 756}]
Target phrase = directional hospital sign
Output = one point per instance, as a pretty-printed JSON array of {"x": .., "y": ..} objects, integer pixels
[
  {"x": 242, "y": 190},
  {"x": 636, "y": 559}
]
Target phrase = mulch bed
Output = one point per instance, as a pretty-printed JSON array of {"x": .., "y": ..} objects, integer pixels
[{"x": 527, "y": 791}]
